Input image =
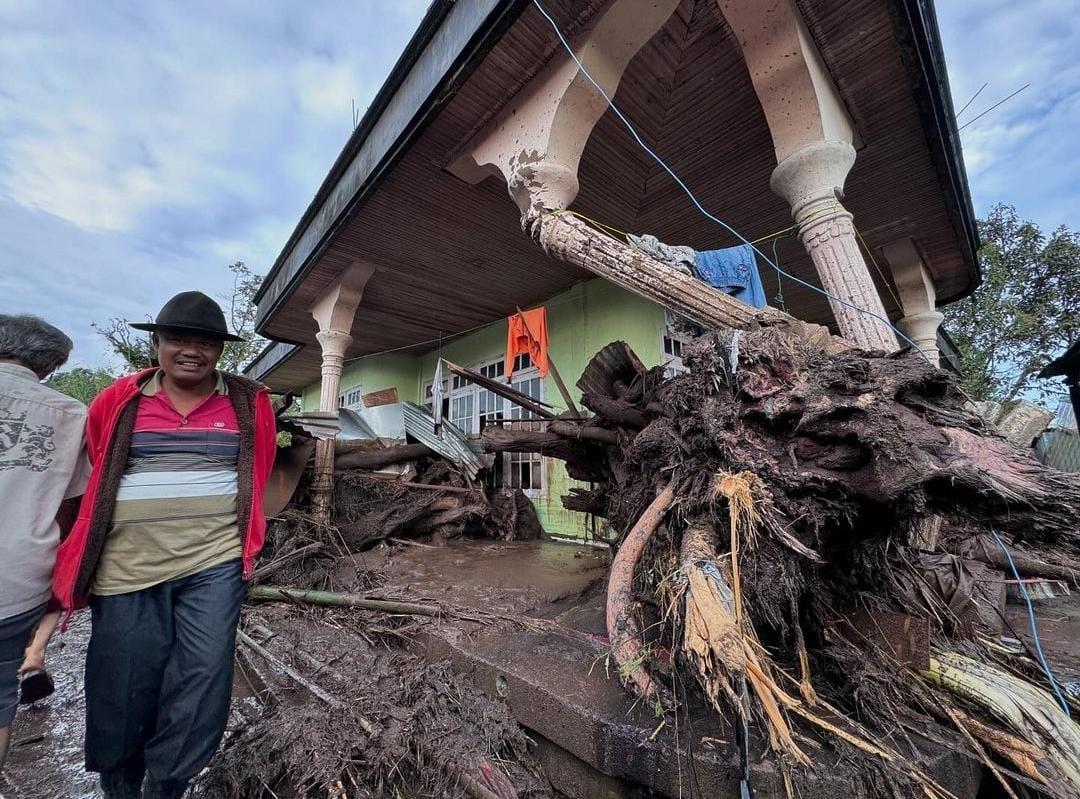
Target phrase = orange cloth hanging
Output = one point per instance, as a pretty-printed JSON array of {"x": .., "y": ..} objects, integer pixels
[{"x": 527, "y": 334}]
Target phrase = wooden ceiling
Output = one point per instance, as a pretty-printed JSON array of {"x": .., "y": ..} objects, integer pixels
[{"x": 452, "y": 256}]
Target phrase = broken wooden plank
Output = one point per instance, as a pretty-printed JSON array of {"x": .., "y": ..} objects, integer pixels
[{"x": 388, "y": 396}]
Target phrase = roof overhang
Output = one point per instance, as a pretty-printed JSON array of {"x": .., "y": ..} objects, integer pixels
[
  {"x": 453, "y": 40},
  {"x": 450, "y": 40}
]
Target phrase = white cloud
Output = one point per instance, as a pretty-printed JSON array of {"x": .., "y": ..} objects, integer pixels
[
  {"x": 1024, "y": 151},
  {"x": 145, "y": 146}
]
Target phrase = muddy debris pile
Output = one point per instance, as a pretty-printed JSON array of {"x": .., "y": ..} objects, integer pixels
[
  {"x": 335, "y": 710},
  {"x": 815, "y": 541}
]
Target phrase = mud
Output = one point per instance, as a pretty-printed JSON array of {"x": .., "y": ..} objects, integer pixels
[
  {"x": 46, "y": 760},
  {"x": 511, "y": 577}
]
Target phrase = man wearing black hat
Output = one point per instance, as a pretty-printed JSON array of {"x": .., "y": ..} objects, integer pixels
[{"x": 169, "y": 527}]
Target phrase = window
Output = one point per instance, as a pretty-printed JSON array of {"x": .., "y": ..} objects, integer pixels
[
  {"x": 461, "y": 412},
  {"x": 471, "y": 408},
  {"x": 352, "y": 398},
  {"x": 672, "y": 359},
  {"x": 677, "y": 333}
]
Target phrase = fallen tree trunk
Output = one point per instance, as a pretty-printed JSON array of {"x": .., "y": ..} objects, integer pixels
[
  {"x": 568, "y": 238},
  {"x": 820, "y": 468},
  {"x": 503, "y": 439},
  {"x": 377, "y": 458}
]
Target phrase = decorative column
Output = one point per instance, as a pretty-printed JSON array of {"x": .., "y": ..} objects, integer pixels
[
  {"x": 812, "y": 180},
  {"x": 334, "y": 344},
  {"x": 535, "y": 143},
  {"x": 334, "y": 312},
  {"x": 917, "y": 296}
]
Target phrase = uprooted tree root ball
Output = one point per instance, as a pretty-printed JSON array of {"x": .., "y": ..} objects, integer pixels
[
  {"x": 336, "y": 715},
  {"x": 777, "y": 496}
]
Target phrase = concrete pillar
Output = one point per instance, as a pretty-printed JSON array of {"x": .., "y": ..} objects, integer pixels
[
  {"x": 812, "y": 181},
  {"x": 536, "y": 142},
  {"x": 918, "y": 296},
  {"x": 813, "y": 138},
  {"x": 334, "y": 312}
]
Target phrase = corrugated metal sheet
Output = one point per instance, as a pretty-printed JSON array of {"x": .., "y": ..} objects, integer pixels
[
  {"x": 452, "y": 444},
  {"x": 1059, "y": 449},
  {"x": 1065, "y": 417},
  {"x": 614, "y": 362},
  {"x": 405, "y": 418}
]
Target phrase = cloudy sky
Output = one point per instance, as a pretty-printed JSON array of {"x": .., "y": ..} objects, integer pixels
[{"x": 144, "y": 146}]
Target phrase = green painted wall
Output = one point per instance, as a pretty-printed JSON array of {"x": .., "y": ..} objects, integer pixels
[
  {"x": 374, "y": 373},
  {"x": 580, "y": 322}
]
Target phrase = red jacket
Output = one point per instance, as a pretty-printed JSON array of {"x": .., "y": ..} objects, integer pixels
[{"x": 109, "y": 427}]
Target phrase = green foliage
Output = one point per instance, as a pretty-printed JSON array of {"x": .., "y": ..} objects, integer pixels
[
  {"x": 81, "y": 383},
  {"x": 130, "y": 345},
  {"x": 1026, "y": 312},
  {"x": 240, "y": 310},
  {"x": 133, "y": 348}
]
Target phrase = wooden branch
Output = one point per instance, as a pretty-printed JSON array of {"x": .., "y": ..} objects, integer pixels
[
  {"x": 583, "y": 500},
  {"x": 500, "y": 439},
  {"x": 269, "y": 568},
  {"x": 269, "y": 593},
  {"x": 534, "y": 406},
  {"x": 277, "y": 662},
  {"x": 618, "y": 411},
  {"x": 586, "y": 432},
  {"x": 622, "y": 627}
]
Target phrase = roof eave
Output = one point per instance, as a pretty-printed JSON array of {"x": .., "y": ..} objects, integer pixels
[
  {"x": 448, "y": 44},
  {"x": 920, "y": 39}
]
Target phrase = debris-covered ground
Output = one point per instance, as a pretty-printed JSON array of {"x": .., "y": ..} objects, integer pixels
[
  {"x": 334, "y": 708},
  {"x": 814, "y": 543}
]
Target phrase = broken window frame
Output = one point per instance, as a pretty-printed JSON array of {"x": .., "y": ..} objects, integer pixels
[
  {"x": 676, "y": 334},
  {"x": 352, "y": 398}
]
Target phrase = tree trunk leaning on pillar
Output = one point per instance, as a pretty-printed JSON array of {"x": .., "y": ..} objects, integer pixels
[{"x": 567, "y": 238}]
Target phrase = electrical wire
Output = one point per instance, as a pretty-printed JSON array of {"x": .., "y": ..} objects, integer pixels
[
  {"x": 969, "y": 102},
  {"x": 991, "y": 108},
  {"x": 697, "y": 203},
  {"x": 1034, "y": 629}
]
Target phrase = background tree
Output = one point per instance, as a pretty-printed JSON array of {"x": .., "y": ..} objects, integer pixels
[
  {"x": 130, "y": 345},
  {"x": 133, "y": 346},
  {"x": 240, "y": 310},
  {"x": 1025, "y": 313},
  {"x": 81, "y": 383}
]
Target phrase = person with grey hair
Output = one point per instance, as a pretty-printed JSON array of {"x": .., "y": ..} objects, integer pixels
[{"x": 43, "y": 472}]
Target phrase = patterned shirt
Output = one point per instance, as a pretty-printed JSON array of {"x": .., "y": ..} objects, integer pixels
[
  {"x": 175, "y": 512},
  {"x": 42, "y": 463}
]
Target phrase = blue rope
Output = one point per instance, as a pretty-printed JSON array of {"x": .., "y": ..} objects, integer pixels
[
  {"x": 1034, "y": 630},
  {"x": 660, "y": 161}
]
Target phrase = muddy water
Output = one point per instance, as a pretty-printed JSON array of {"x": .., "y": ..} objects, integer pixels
[
  {"x": 47, "y": 739},
  {"x": 515, "y": 576}
]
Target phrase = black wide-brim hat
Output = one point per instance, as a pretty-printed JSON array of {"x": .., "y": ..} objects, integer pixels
[{"x": 191, "y": 311}]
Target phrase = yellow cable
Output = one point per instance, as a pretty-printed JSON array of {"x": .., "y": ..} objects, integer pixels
[
  {"x": 609, "y": 229},
  {"x": 774, "y": 235},
  {"x": 881, "y": 274}
]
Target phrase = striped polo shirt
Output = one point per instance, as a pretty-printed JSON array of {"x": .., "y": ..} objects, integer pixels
[{"x": 175, "y": 512}]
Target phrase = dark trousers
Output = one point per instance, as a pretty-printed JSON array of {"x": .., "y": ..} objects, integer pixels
[{"x": 159, "y": 671}]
